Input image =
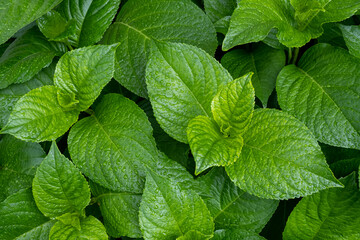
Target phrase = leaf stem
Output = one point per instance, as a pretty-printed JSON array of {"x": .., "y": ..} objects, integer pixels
[
  {"x": 89, "y": 111},
  {"x": 69, "y": 45},
  {"x": 296, "y": 54},
  {"x": 289, "y": 55}
]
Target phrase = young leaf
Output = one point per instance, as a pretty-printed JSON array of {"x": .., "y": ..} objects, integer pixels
[
  {"x": 322, "y": 91},
  {"x": 280, "y": 159},
  {"x": 38, "y": 116},
  {"x": 330, "y": 214},
  {"x": 169, "y": 212},
  {"x": 59, "y": 187},
  {"x": 26, "y": 56},
  {"x": 55, "y": 27},
  {"x": 17, "y": 13},
  {"x": 235, "y": 234},
  {"x": 21, "y": 219},
  {"x": 120, "y": 211},
  {"x": 17, "y": 168},
  {"x": 91, "y": 17},
  {"x": 118, "y": 139},
  {"x": 231, "y": 207},
  {"x": 10, "y": 95},
  {"x": 85, "y": 72},
  {"x": 265, "y": 62},
  {"x": 141, "y": 21},
  {"x": 210, "y": 146},
  {"x": 182, "y": 80},
  {"x": 253, "y": 20},
  {"x": 91, "y": 228},
  {"x": 233, "y": 106},
  {"x": 352, "y": 38}
]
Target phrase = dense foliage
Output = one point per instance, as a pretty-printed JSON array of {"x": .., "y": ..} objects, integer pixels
[{"x": 179, "y": 119}]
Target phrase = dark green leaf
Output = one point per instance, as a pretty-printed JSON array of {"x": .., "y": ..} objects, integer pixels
[
  {"x": 18, "y": 163},
  {"x": 323, "y": 91},
  {"x": 21, "y": 219},
  {"x": 331, "y": 214},
  {"x": 26, "y": 56},
  {"x": 169, "y": 212},
  {"x": 16, "y": 14},
  {"x": 182, "y": 80},
  {"x": 231, "y": 207},
  {"x": 265, "y": 62},
  {"x": 140, "y": 21},
  {"x": 91, "y": 17},
  {"x": 218, "y": 9},
  {"x": 352, "y": 38}
]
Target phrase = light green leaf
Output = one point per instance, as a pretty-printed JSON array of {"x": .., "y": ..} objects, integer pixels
[
  {"x": 168, "y": 212},
  {"x": 231, "y": 207},
  {"x": 297, "y": 21},
  {"x": 118, "y": 139},
  {"x": 59, "y": 187},
  {"x": 10, "y": 95},
  {"x": 85, "y": 72},
  {"x": 91, "y": 228},
  {"x": 193, "y": 235},
  {"x": 26, "y": 56},
  {"x": 321, "y": 92},
  {"x": 70, "y": 219},
  {"x": 233, "y": 106},
  {"x": 55, "y": 27},
  {"x": 120, "y": 211},
  {"x": 352, "y": 38},
  {"x": 280, "y": 159},
  {"x": 38, "y": 116},
  {"x": 17, "y": 13},
  {"x": 218, "y": 9},
  {"x": 91, "y": 17},
  {"x": 222, "y": 25},
  {"x": 182, "y": 80},
  {"x": 235, "y": 234},
  {"x": 21, "y": 219},
  {"x": 265, "y": 62},
  {"x": 331, "y": 214},
  {"x": 141, "y": 21},
  {"x": 18, "y": 163},
  {"x": 210, "y": 146}
]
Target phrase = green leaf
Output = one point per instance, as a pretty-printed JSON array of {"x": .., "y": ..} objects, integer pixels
[
  {"x": 322, "y": 93},
  {"x": 85, "y": 72},
  {"x": 210, "y": 146},
  {"x": 59, "y": 187},
  {"x": 297, "y": 21},
  {"x": 38, "y": 116},
  {"x": 182, "y": 80},
  {"x": 118, "y": 139},
  {"x": 120, "y": 211},
  {"x": 168, "y": 212},
  {"x": 332, "y": 35},
  {"x": 218, "y": 9},
  {"x": 344, "y": 167},
  {"x": 352, "y": 38},
  {"x": 26, "y": 56},
  {"x": 21, "y": 219},
  {"x": 280, "y": 159},
  {"x": 10, "y": 95},
  {"x": 91, "y": 228},
  {"x": 231, "y": 207},
  {"x": 17, "y": 168},
  {"x": 235, "y": 234},
  {"x": 17, "y": 13},
  {"x": 233, "y": 106},
  {"x": 265, "y": 62},
  {"x": 141, "y": 21},
  {"x": 330, "y": 214},
  {"x": 55, "y": 27},
  {"x": 91, "y": 18}
]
